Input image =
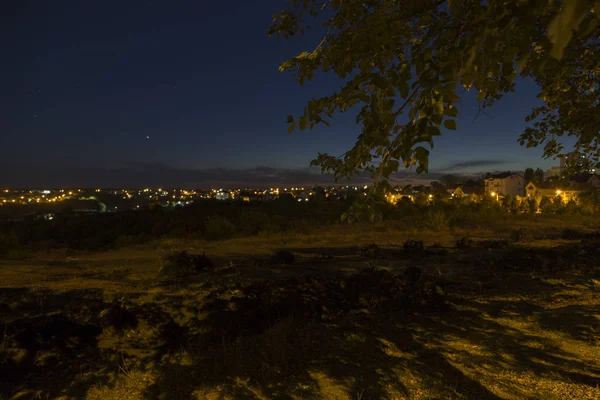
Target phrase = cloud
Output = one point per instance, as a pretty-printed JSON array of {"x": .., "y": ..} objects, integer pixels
[
  {"x": 156, "y": 174},
  {"x": 474, "y": 164},
  {"x": 136, "y": 175}
]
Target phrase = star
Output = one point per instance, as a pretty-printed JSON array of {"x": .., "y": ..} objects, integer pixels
[{"x": 147, "y": 137}]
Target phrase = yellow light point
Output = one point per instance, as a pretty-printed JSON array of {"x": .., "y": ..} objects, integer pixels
[
  {"x": 70, "y": 193},
  {"x": 431, "y": 196},
  {"x": 558, "y": 192},
  {"x": 493, "y": 194}
]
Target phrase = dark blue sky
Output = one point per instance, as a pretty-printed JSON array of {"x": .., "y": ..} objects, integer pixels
[{"x": 82, "y": 84}]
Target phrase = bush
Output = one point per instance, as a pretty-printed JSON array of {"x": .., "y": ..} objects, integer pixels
[
  {"x": 572, "y": 234},
  {"x": 413, "y": 246},
  {"x": 182, "y": 264},
  {"x": 465, "y": 243},
  {"x": 436, "y": 221},
  {"x": 522, "y": 235},
  {"x": 218, "y": 228},
  {"x": 252, "y": 222},
  {"x": 547, "y": 206},
  {"x": 282, "y": 257},
  {"x": 9, "y": 242}
]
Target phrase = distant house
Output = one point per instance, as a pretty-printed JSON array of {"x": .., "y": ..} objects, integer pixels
[
  {"x": 554, "y": 172},
  {"x": 581, "y": 180},
  {"x": 539, "y": 190},
  {"x": 462, "y": 191},
  {"x": 84, "y": 206},
  {"x": 505, "y": 184},
  {"x": 223, "y": 195}
]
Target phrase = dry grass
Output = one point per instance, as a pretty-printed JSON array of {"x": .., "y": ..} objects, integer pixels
[{"x": 508, "y": 334}]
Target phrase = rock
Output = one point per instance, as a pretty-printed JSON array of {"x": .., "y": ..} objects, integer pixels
[
  {"x": 413, "y": 246},
  {"x": 282, "y": 257},
  {"x": 371, "y": 251}
]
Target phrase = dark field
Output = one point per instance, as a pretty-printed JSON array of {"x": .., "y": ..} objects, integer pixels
[{"x": 351, "y": 312}]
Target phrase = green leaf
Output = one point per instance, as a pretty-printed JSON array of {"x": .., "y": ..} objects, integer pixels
[
  {"x": 450, "y": 124},
  {"x": 290, "y": 119},
  {"x": 451, "y": 111},
  {"x": 560, "y": 30},
  {"x": 437, "y": 119},
  {"x": 292, "y": 127},
  {"x": 434, "y": 131},
  {"x": 303, "y": 122}
]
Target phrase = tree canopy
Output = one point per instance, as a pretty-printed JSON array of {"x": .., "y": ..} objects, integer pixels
[{"x": 404, "y": 64}]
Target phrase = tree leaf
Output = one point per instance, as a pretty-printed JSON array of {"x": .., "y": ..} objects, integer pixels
[
  {"x": 303, "y": 122},
  {"x": 292, "y": 127},
  {"x": 451, "y": 111},
  {"x": 450, "y": 124}
]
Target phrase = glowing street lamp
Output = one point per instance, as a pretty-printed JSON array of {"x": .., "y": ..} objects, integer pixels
[{"x": 494, "y": 194}]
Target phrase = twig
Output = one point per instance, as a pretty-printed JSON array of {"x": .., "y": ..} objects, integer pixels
[
  {"x": 408, "y": 99},
  {"x": 321, "y": 43},
  {"x": 480, "y": 110}
]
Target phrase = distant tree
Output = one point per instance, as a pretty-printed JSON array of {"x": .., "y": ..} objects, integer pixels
[
  {"x": 449, "y": 180},
  {"x": 472, "y": 182},
  {"x": 539, "y": 175},
  {"x": 421, "y": 199},
  {"x": 515, "y": 205},
  {"x": 529, "y": 174},
  {"x": 506, "y": 202},
  {"x": 403, "y": 64},
  {"x": 547, "y": 205},
  {"x": 437, "y": 186},
  {"x": 532, "y": 206}
]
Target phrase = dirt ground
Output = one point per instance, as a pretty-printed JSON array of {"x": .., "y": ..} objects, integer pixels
[{"x": 485, "y": 318}]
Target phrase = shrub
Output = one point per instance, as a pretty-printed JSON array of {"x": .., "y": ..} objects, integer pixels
[
  {"x": 494, "y": 244},
  {"x": 219, "y": 228},
  {"x": 252, "y": 222},
  {"x": 465, "y": 243},
  {"x": 182, "y": 264},
  {"x": 370, "y": 251},
  {"x": 547, "y": 206},
  {"x": 572, "y": 234},
  {"x": 282, "y": 257},
  {"x": 436, "y": 221},
  {"x": 413, "y": 246},
  {"x": 521, "y": 235}
]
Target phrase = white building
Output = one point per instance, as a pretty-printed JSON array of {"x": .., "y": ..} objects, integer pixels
[{"x": 505, "y": 184}]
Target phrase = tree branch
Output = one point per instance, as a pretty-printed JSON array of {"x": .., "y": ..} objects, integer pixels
[{"x": 408, "y": 99}]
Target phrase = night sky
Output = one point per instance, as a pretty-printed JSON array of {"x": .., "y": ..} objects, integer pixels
[{"x": 188, "y": 93}]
